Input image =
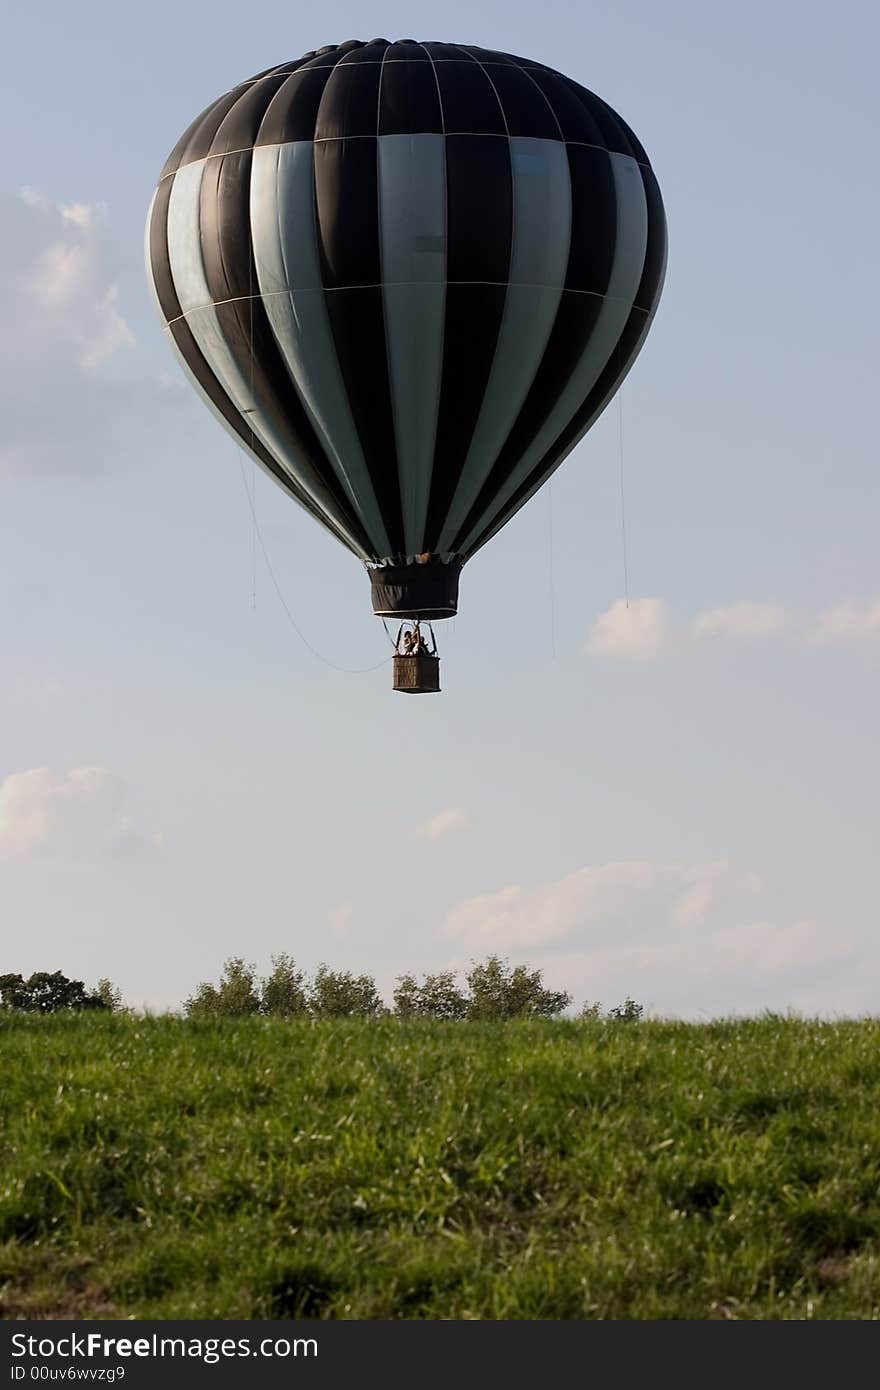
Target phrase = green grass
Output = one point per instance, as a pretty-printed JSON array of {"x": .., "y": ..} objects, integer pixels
[{"x": 262, "y": 1168}]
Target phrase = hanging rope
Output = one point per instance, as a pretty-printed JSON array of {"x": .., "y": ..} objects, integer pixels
[
  {"x": 347, "y": 670},
  {"x": 253, "y": 496},
  {"x": 622, "y": 490},
  {"x": 550, "y": 566},
  {"x": 258, "y": 535}
]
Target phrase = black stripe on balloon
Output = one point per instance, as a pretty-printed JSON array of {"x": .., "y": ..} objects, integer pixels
[
  {"x": 408, "y": 101},
  {"x": 524, "y": 106},
  {"x": 196, "y": 140},
  {"x": 292, "y": 112},
  {"x": 593, "y": 219},
  {"x": 590, "y": 262},
  {"x": 446, "y": 52},
  {"x": 655, "y": 253},
  {"x": 406, "y": 51},
  {"x": 316, "y": 62},
  {"x": 357, "y": 320},
  {"x": 614, "y": 136},
  {"x": 488, "y": 55},
  {"x": 479, "y": 225},
  {"x": 479, "y": 208},
  {"x": 189, "y": 350},
  {"x": 160, "y": 261},
  {"x": 347, "y": 221},
  {"x": 575, "y": 321},
  {"x": 224, "y": 227},
  {"x": 238, "y": 130},
  {"x": 372, "y": 52},
  {"x": 192, "y": 355},
  {"x": 472, "y": 324},
  {"x": 227, "y": 251},
  {"x": 350, "y": 102},
  {"x": 324, "y": 58},
  {"x": 628, "y": 347},
  {"x": 470, "y": 105},
  {"x": 617, "y": 367},
  {"x": 574, "y": 119},
  {"x": 635, "y": 145},
  {"x": 591, "y": 256},
  {"x": 283, "y": 67},
  {"x": 275, "y": 397},
  {"x": 610, "y": 380},
  {"x": 347, "y": 212}
]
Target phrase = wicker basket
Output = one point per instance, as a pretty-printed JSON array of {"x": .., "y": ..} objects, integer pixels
[{"x": 417, "y": 675}]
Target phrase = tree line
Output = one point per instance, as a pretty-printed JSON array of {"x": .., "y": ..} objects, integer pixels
[{"x": 493, "y": 990}]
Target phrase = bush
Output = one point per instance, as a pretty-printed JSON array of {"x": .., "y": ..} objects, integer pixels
[
  {"x": 437, "y": 996},
  {"x": 235, "y": 997},
  {"x": 627, "y": 1012},
  {"x": 591, "y": 1012},
  {"x": 496, "y": 992},
  {"x": 340, "y": 994},
  {"x": 284, "y": 991}
]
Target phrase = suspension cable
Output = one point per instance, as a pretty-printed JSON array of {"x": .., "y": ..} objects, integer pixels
[{"x": 334, "y": 666}]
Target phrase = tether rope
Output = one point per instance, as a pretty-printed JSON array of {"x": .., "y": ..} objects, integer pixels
[
  {"x": 258, "y": 535},
  {"x": 334, "y": 666},
  {"x": 622, "y": 491},
  {"x": 550, "y": 557}
]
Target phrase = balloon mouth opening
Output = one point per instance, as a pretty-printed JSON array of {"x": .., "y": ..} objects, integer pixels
[{"x": 427, "y": 589}]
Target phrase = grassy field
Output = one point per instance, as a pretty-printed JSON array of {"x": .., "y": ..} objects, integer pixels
[{"x": 389, "y": 1169}]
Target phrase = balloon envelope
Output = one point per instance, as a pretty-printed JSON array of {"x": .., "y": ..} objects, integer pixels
[{"x": 408, "y": 278}]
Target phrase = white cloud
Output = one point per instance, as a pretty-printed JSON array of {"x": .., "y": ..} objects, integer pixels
[
  {"x": 60, "y": 276},
  {"x": 85, "y": 215},
  {"x": 635, "y": 631},
  {"x": 590, "y": 899},
  {"x": 644, "y": 629},
  {"x": 741, "y": 620},
  {"x": 80, "y": 815},
  {"x": 67, "y": 283},
  {"x": 853, "y": 620},
  {"x": 33, "y": 198},
  {"x": 68, "y": 399},
  {"x": 444, "y": 823},
  {"x": 684, "y": 938},
  {"x": 109, "y": 332}
]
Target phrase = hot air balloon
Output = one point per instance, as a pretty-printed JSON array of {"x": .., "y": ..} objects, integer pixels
[{"x": 408, "y": 278}]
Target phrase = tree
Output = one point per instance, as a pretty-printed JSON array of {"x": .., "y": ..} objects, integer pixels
[
  {"x": 437, "y": 996},
  {"x": 235, "y": 996},
  {"x": 46, "y": 993},
  {"x": 110, "y": 996},
  {"x": 284, "y": 991},
  {"x": 340, "y": 994},
  {"x": 498, "y": 992}
]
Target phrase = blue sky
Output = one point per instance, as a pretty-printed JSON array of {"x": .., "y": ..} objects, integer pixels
[{"x": 676, "y": 801}]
